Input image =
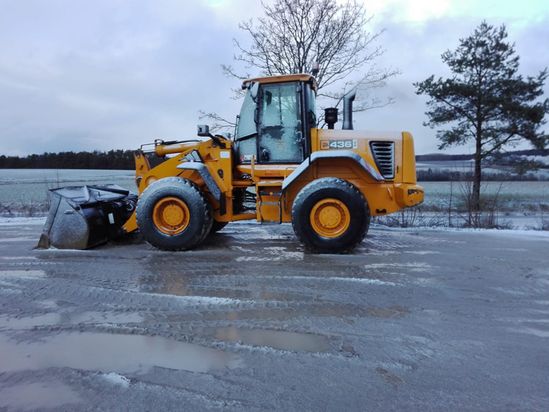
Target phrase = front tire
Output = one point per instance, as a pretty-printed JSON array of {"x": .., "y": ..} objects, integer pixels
[
  {"x": 172, "y": 214},
  {"x": 330, "y": 215}
]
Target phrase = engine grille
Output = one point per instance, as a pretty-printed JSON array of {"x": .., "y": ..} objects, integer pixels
[{"x": 384, "y": 155}]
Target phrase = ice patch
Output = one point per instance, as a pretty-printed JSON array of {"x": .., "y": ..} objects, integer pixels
[
  {"x": 254, "y": 259},
  {"x": 336, "y": 279},
  {"x": 277, "y": 254},
  {"x": 16, "y": 221},
  {"x": 241, "y": 249},
  {"x": 532, "y": 331},
  {"x": 530, "y": 234},
  {"x": 116, "y": 379},
  {"x": 525, "y": 320},
  {"x": 22, "y": 274},
  {"x": 363, "y": 280},
  {"x": 199, "y": 300},
  {"x": 17, "y": 239},
  {"x": 20, "y": 323},
  {"x": 422, "y": 252},
  {"x": 382, "y": 252},
  {"x": 17, "y": 257},
  {"x": 412, "y": 266}
]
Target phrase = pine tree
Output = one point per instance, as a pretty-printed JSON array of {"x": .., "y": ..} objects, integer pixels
[{"x": 486, "y": 100}]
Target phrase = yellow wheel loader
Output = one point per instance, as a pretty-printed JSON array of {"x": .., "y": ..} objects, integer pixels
[{"x": 278, "y": 168}]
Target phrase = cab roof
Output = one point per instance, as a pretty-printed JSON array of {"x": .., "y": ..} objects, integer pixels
[{"x": 300, "y": 77}]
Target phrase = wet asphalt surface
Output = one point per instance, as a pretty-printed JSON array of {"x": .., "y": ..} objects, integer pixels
[{"x": 415, "y": 320}]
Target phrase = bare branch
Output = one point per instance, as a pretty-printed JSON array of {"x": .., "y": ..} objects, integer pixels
[
  {"x": 294, "y": 34},
  {"x": 220, "y": 124}
]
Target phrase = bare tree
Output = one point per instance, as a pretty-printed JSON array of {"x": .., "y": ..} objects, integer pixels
[{"x": 299, "y": 36}]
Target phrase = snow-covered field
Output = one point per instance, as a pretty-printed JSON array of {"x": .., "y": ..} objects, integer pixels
[
  {"x": 23, "y": 192},
  {"x": 31, "y": 185},
  {"x": 466, "y": 166},
  {"x": 512, "y": 196}
]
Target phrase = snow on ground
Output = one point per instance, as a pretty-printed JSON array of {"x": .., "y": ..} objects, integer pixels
[
  {"x": 10, "y": 221},
  {"x": 503, "y": 232},
  {"x": 116, "y": 379}
]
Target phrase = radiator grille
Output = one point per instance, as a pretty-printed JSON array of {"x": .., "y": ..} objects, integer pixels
[{"x": 384, "y": 155}]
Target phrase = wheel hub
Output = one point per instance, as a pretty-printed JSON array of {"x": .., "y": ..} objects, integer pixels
[
  {"x": 330, "y": 217},
  {"x": 171, "y": 215}
]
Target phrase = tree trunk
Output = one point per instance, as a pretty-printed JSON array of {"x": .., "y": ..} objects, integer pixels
[{"x": 477, "y": 176}]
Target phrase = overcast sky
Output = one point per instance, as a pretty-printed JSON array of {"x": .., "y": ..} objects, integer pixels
[{"x": 108, "y": 74}]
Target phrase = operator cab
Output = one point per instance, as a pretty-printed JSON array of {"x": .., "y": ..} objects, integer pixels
[{"x": 274, "y": 125}]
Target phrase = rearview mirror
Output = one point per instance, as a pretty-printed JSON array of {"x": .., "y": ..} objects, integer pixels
[
  {"x": 203, "y": 130},
  {"x": 254, "y": 88}
]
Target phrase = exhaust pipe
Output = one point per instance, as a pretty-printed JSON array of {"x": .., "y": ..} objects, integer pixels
[{"x": 348, "y": 110}]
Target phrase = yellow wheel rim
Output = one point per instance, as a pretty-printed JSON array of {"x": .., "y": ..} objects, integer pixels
[
  {"x": 330, "y": 218},
  {"x": 171, "y": 215}
]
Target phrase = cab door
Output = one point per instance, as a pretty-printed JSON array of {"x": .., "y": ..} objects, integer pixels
[{"x": 281, "y": 138}]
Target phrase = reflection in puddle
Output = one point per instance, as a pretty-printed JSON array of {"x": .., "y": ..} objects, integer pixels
[
  {"x": 307, "y": 311},
  {"x": 49, "y": 319},
  {"x": 111, "y": 352},
  {"x": 38, "y": 395},
  {"x": 291, "y": 341}
]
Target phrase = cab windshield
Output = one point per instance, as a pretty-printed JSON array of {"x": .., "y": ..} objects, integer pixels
[{"x": 246, "y": 120}]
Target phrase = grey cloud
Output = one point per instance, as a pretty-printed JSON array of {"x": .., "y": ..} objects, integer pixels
[{"x": 102, "y": 75}]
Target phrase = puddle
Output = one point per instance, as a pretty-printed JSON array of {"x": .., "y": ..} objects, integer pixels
[
  {"x": 57, "y": 318},
  {"x": 290, "y": 341},
  {"x": 111, "y": 353},
  {"x": 39, "y": 395},
  {"x": 307, "y": 311},
  {"x": 29, "y": 322}
]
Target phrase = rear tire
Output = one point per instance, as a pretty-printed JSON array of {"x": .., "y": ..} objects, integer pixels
[
  {"x": 330, "y": 215},
  {"x": 173, "y": 214}
]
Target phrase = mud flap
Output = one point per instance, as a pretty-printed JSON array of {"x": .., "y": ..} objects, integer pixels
[{"x": 81, "y": 217}]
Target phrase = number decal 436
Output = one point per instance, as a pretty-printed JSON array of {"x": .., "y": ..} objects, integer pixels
[{"x": 338, "y": 144}]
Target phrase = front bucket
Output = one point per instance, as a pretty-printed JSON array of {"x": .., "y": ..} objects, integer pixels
[{"x": 82, "y": 217}]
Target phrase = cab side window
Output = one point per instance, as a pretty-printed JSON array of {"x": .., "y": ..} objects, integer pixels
[{"x": 280, "y": 132}]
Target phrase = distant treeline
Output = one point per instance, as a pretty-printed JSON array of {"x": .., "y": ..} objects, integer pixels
[
  {"x": 123, "y": 159},
  {"x": 433, "y": 157},
  {"x": 444, "y": 175},
  {"x": 113, "y": 159}
]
